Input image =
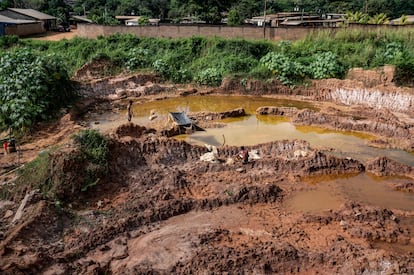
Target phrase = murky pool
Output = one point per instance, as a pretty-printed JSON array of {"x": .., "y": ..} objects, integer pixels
[
  {"x": 331, "y": 193},
  {"x": 254, "y": 129}
]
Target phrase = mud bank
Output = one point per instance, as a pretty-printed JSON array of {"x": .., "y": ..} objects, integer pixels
[
  {"x": 366, "y": 101},
  {"x": 393, "y": 131},
  {"x": 162, "y": 210}
]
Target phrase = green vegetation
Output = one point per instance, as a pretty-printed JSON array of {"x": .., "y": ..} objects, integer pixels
[
  {"x": 234, "y": 18},
  {"x": 34, "y": 175},
  {"x": 60, "y": 175},
  {"x": 34, "y": 83},
  {"x": 94, "y": 154},
  {"x": 94, "y": 147},
  {"x": 32, "y": 88},
  {"x": 208, "y": 60}
]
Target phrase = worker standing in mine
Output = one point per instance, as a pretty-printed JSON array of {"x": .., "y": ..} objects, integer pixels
[{"x": 129, "y": 109}]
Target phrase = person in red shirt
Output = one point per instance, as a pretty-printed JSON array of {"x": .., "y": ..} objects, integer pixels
[{"x": 5, "y": 145}]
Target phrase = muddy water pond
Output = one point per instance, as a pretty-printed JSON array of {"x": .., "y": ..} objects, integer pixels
[
  {"x": 324, "y": 193},
  {"x": 254, "y": 129}
]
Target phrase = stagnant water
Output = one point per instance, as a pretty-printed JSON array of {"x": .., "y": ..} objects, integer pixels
[
  {"x": 325, "y": 194},
  {"x": 330, "y": 193},
  {"x": 254, "y": 129}
]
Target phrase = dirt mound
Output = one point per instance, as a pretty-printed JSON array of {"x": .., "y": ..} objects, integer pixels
[
  {"x": 384, "y": 166},
  {"x": 371, "y": 78},
  {"x": 132, "y": 130},
  {"x": 404, "y": 187},
  {"x": 256, "y": 87},
  {"x": 122, "y": 86},
  {"x": 98, "y": 68}
]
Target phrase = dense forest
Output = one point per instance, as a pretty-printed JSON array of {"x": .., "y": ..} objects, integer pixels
[{"x": 211, "y": 11}]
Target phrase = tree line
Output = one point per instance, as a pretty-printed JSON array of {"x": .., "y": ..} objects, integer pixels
[{"x": 211, "y": 11}]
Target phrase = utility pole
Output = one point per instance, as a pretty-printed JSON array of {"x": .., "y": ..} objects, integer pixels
[{"x": 264, "y": 20}]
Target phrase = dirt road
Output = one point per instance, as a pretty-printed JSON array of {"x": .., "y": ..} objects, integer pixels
[{"x": 55, "y": 36}]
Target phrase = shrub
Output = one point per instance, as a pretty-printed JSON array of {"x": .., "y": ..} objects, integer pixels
[
  {"x": 162, "y": 67},
  {"x": 32, "y": 88},
  {"x": 8, "y": 41},
  {"x": 136, "y": 58},
  {"x": 94, "y": 146},
  {"x": 324, "y": 65},
  {"x": 286, "y": 69},
  {"x": 404, "y": 70},
  {"x": 210, "y": 76},
  {"x": 94, "y": 153},
  {"x": 389, "y": 55}
]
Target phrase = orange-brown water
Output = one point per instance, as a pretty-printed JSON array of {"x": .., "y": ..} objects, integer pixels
[
  {"x": 253, "y": 129},
  {"x": 330, "y": 193}
]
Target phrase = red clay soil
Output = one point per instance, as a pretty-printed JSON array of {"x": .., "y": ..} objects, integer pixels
[{"x": 161, "y": 210}]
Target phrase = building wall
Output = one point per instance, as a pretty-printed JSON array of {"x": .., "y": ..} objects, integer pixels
[
  {"x": 24, "y": 29},
  {"x": 248, "y": 32}
]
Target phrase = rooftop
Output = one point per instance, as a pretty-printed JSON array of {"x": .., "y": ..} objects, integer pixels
[
  {"x": 33, "y": 13},
  {"x": 5, "y": 19}
]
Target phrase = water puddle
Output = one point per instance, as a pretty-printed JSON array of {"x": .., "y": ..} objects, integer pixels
[
  {"x": 253, "y": 129},
  {"x": 321, "y": 198},
  {"x": 326, "y": 194}
]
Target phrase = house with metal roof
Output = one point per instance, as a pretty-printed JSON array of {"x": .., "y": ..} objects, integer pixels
[
  {"x": 48, "y": 22},
  {"x": 403, "y": 20},
  {"x": 291, "y": 19},
  {"x": 19, "y": 27}
]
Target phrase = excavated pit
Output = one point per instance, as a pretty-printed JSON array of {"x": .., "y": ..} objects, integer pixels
[{"x": 161, "y": 209}]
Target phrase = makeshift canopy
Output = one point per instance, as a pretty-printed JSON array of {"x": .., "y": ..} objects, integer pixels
[
  {"x": 183, "y": 122},
  {"x": 180, "y": 119}
]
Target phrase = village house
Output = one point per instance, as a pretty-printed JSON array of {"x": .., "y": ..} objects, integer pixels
[
  {"x": 48, "y": 22},
  {"x": 19, "y": 27}
]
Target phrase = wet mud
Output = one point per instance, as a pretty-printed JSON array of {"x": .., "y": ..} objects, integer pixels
[{"x": 161, "y": 209}]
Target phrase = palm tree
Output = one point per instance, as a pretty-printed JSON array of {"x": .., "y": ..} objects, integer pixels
[{"x": 379, "y": 19}]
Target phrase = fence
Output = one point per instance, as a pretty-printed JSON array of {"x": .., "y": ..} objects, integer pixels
[{"x": 247, "y": 32}]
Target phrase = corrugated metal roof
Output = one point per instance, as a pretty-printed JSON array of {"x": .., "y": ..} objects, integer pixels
[
  {"x": 127, "y": 17},
  {"x": 33, "y": 13},
  {"x": 301, "y": 22},
  {"x": 410, "y": 19},
  {"x": 180, "y": 118},
  {"x": 5, "y": 19},
  {"x": 82, "y": 18}
]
